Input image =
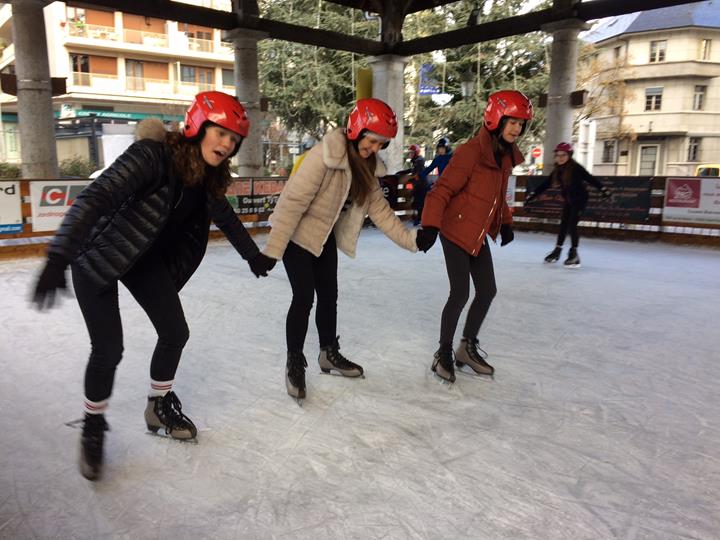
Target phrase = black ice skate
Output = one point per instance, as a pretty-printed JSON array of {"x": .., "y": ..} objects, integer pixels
[
  {"x": 573, "y": 260},
  {"x": 91, "y": 446},
  {"x": 330, "y": 359},
  {"x": 443, "y": 363},
  {"x": 166, "y": 412},
  {"x": 295, "y": 375},
  {"x": 554, "y": 255},
  {"x": 470, "y": 353}
]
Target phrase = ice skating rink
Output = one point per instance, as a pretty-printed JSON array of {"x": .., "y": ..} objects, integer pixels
[{"x": 603, "y": 420}]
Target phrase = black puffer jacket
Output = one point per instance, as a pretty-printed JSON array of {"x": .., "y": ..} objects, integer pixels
[
  {"x": 120, "y": 215},
  {"x": 575, "y": 193}
]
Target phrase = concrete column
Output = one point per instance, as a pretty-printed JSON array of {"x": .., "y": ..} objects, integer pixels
[
  {"x": 35, "y": 111},
  {"x": 563, "y": 71},
  {"x": 389, "y": 86},
  {"x": 247, "y": 90}
]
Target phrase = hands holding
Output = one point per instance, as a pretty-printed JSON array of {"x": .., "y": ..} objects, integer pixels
[
  {"x": 426, "y": 238},
  {"x": 261, "y": 264}
]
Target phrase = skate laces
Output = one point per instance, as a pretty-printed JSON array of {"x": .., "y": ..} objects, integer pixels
[
  {"x": 171, "y": 413},
  {"x": 296, "y": 367},
  {"x": 445, "y": 357},
  {"x": 475, "y": 351},
  {"x": 93, "y": 433},
  {"x": 337, "y": 359}
]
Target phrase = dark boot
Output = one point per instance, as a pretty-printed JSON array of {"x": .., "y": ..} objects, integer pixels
[
  {"x": 573, "y": 259},
  {"x": 91, "y": 446},
  {"x": 295, "y": 374},
  {"x": 331, "y": 359},
  {"x": 443, "y": 363},
  {"x": 166, "y": 412},
  {"x": 554, "y": 255}
]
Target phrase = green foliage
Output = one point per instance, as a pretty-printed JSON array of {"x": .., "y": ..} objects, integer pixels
[
  {"x": 76, "y": 166},
  {"x": 9, "y": 170}
]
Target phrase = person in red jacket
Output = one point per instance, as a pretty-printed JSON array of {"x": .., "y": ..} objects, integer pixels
[{"x": 466, "y": 204}]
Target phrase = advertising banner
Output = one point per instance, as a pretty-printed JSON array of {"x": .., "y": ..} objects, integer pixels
[
  {"x": 10, "y": 208},
  {"x": 255, "y": 195},
  {"x": 695, "y": 200},
  {"x": 630, "y": 200},
  {"x": 50, "y": 200}
]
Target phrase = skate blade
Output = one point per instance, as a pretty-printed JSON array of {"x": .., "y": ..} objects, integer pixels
[
  {"x": 470, "y": 372},
  {"x": 336, "y": 373},
  {"x": 75, "y": 424},
  {"x": 194, "y": 440},
  {"x": 572, "y": 265}
]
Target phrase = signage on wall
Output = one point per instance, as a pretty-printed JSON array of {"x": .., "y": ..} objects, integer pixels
[
  {"x": 10, "y": 208},
  {"x": 50, "y": 200},
  {"x": 695, "y": 200}
]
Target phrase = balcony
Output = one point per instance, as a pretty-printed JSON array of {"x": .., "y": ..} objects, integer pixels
[
  {"x": 93, "y": 31},
  {"x": 666, "y": 70},
  {"x": 150, "y": 39},
  {"x": 152, "y": 87},
  {"x": 191, "y": 88},
  {"x": 201, "y": 45},
  {"x": 98, "y": 82}
]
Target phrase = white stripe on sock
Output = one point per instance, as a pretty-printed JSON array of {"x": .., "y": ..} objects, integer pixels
[
  {"x": 95, "y": 407},
  {"x": 160, "y": 388}
]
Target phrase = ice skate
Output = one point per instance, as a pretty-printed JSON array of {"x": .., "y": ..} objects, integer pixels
[
  {"x": 470, "y": 353},
  {"x": 573, "y": 259},
  {"x": 330, "y": 359},
  {"x": 91, "y": 446},
  {"x": 166, "y": 412},
  {"x": 554, "y": 255},
  {"x": 443, "y": 363},
  {"x": 295, "y": 375}
]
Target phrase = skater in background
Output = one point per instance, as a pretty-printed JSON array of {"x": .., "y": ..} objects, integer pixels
[
  {"x": 570, "y": 177},
  {"x": 144, "y": 222},
  {"x": 322, "y": 209},
  {"x": 412, "y": 176},
  {"x": 466, "y": 204},
  {"x": 443, "y": 155}
]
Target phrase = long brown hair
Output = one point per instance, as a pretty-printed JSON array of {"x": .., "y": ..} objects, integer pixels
[
  {"x": 363, "y": 174},
  {"x": 192, "y": 168},
  {"x": 561, "y": 175}
]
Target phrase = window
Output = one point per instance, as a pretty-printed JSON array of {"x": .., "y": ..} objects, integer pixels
[
  {"x": 187, "y": 74},
  {"x": 134, "y": 74},
  {"x": 705, "y": 49},
  {"x": 694, "y": 149},
  {"x": 609, "y": 150},
  {"x": 699, "y": 98},
  {"x": 80, "y": 63},
  {"x": 657, "y": 51},
  {"x": 653, "y": 98},
  {"x": 616, "y": 52},
  {"x": 75, "y": 15},
  {"x": 228, "y": 77}
]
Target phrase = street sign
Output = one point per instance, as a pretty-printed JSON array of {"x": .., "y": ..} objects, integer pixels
[{"x": 536, "y": 152}]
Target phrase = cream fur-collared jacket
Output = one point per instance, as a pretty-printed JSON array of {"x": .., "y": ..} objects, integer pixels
[{"x": 310, "y": 205}]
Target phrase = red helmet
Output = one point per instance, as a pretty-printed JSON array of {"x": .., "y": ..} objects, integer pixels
[
  {"x": 373, "y": 115},
  {"x": 507, "y": 103},
  {"x": 564, "y": 147},
  {"x": 414, "y": 148},
  {"x": 219, "y": 108}
]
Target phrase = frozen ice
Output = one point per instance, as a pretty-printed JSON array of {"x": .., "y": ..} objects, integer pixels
[{"x": 602, "y": 420}]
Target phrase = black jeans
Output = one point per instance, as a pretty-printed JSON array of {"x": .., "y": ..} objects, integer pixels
[
  {"x": 152, "y": 286},
  {"x": 310, "y": 275},
  {"x": 461, "y": 266},
  {"x": 569, "y": 223}
]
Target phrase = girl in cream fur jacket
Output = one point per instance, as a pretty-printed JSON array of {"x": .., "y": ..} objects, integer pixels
[{"x": 322, "y": 209}]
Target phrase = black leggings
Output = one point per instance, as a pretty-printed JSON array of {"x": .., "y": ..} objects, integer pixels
[
  {"x": 152, "y": 286},
  {"x": 570, "y": 217},
  {"x": 461, "y": 266},
  {"x": 310, "y": 275}
]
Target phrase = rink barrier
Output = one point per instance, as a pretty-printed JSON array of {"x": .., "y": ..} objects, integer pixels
[
  {"x": 258, "y": 194},
  {"x": 652, "y": 228}
]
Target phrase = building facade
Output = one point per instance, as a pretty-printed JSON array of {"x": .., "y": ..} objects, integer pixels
[
  {"x": 655, "y": 91},
  {"x": 118, "y": 65}
]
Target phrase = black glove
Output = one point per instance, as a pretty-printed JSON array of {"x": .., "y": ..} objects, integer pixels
[
  {"x": 605, "y": 193},
  {"x": 426, "y": 238},
  {"x": 530, "y": 197},
  {"x": 50, "y": 280},
  {"x": 261, "y": 264},
  {"x": 507, "y": 234}
]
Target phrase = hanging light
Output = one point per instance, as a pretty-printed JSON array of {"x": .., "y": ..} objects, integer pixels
[{"x": 467, "y": 83}]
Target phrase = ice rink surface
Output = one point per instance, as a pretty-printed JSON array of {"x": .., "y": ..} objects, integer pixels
[{"x": 603, "y": 420}]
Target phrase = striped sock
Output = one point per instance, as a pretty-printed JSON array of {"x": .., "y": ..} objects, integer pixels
[
  {"x": 159, "y": 388},
  {"x": 95, "y": 407}
]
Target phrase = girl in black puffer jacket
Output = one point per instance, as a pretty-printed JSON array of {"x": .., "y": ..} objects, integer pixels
[
  {"x": 144, "y": 221},
  {"x": 570, "y": 177}
]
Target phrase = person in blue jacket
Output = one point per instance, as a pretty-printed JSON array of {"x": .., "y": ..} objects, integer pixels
[{"x": 443, "y": 155}]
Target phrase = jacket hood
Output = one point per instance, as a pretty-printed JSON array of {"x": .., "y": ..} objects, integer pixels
[
  {"x": 334, "y": 146},
  {"x": 150, "y": 128}
]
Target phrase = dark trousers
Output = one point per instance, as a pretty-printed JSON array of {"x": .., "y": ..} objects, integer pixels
[
  {"x": 152, "y": 286},
  {"x": 569, "y": 223},
  {"x": 310, "y": 275},
  {"x": 461, "y": 266}
]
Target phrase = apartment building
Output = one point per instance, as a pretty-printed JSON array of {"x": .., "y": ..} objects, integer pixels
[
  {"x": 655, "y": 96},
  {"x": 118, "y": 65}
]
